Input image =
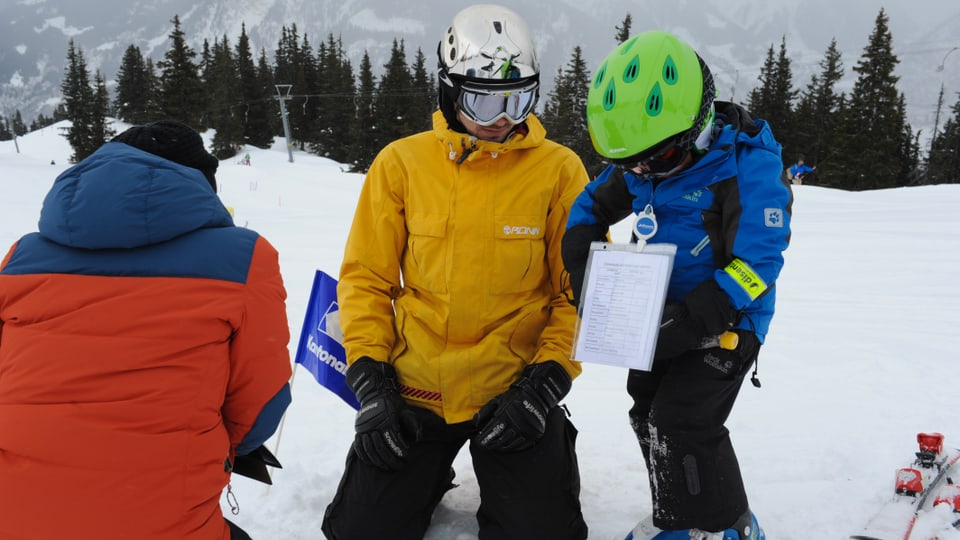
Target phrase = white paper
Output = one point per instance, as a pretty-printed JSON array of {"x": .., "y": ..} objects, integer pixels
[{"x": 623, "y": 296}]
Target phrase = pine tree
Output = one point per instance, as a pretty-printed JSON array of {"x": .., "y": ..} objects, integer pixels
[
  {"x": 181, "y": 90},
  {"x": 5, "y": 133},
  {"x": 876, "y": 141},
  {"x": 60, "y": 112},
  {"x": 204, "y": 68},
  {"x": 760, "y": 99},
  {"x": 336, "y": 128},
  {"x": 154, "y": 111},
  {"x": 424, "y": 95},
  {"x": 133, "y": 88},
  {"x": 256, "y": 104},
  {"x": 321, "y": 131},
  {"x": 223, "y": 84},
  {"x": 305, "y": 117},
  {"x": 17, "y": 126},
  {"x": 77, "y": 103},
  {"x": 773, "y": 100},
  {"x": 394, "y": 98},
  {"x": 41, "y": 121},
  {"x": 366, "y": 145},
  {"x": 943, "y": 164},
  {"x": 565, "y": 113},
  {"x": 285, "y": 55},
  {"x": 815, "y": 118},
  {"x": 291, "y": 69},
  {"x": 623, "y": 31},
  {"x": 100, "y": 130},
  {"x": 268, "y": 89}
]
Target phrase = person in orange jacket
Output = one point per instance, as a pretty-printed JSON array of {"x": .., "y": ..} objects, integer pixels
[
  {"x": 453, "y": 306},
  {"x": 143, "y": 347}
]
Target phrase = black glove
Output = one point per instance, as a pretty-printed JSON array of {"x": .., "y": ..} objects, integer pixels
[
  {"x": 704, "y": 312},
  {"x": 254, "y": 464},
  {"x": 385, "y": 424},
  {"x": 574, "y": 249},
  {"x": 515, "y": 419}
]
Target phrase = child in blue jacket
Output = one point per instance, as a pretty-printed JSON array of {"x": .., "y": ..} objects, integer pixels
[{"x": 709, "y": 176}]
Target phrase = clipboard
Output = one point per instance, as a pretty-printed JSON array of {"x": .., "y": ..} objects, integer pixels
[{"x": 624, "y": 291}]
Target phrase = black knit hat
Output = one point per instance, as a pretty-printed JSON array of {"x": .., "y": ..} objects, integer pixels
[{"x": 175, "y": 141}]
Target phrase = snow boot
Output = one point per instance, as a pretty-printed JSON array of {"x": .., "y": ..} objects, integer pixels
[
  {"x": 645, "y": 529},
  {"x": 746, "y": 528}
]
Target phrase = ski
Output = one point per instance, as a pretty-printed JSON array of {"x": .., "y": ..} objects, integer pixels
[{"x": 928, "y": 482}]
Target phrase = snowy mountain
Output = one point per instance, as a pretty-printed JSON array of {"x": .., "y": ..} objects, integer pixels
[{"x": 732, "y": 35}]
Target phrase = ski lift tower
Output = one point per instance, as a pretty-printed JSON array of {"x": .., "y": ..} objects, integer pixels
[
  {"x": 936, "y": 122},
  {"x": 283, "y": 94}
]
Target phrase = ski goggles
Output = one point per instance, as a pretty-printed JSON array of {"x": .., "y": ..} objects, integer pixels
[
  {"x": 485, "y": 106},
  {"x": 665, "y": 157}
]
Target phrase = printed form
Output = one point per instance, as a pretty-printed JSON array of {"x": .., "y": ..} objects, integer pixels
[{"x": 624, "y": 290}]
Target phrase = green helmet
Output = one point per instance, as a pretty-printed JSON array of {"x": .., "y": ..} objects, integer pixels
[{"x": 651, "y": 91}]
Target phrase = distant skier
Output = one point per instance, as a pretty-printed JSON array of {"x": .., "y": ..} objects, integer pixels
[{"x": 797, "y": 171}]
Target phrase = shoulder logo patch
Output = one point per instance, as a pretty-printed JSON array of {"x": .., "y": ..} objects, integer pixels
[{"x": 773, "y": 217}]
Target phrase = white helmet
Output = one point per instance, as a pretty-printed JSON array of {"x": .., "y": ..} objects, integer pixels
[
  {"x": 488, "y": 50},
  {"x": 491, "y": 43}
]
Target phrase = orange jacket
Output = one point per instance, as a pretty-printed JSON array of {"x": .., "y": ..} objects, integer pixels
[{"x": 141, "y": 335}]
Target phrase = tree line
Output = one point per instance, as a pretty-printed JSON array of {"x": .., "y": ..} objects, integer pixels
[{"x": 858, "y": 140}]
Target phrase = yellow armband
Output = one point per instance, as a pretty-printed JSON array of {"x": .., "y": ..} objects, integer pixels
[{"x": 746, "y": 277}]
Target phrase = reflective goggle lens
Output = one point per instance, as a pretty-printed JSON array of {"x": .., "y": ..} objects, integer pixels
[{"x": 485, "y": 109}]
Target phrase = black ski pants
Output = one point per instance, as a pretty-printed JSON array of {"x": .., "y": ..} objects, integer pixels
[
  {"x": 679, "y": 411},
  {"x": 534, "y": 493}
]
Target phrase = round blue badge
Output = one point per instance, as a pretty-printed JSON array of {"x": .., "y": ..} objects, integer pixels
[{"x": 645, "y": 225}]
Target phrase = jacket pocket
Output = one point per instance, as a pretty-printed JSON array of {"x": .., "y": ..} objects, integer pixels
[
  {"x": 519, "y": 254},
  {"x": 425, "y": 264}
]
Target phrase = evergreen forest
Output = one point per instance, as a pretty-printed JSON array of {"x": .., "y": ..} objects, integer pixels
[{"x": 858, "y": 140}]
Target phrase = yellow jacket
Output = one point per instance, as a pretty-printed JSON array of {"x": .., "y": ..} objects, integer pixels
[{"x": 474, "y": 229}]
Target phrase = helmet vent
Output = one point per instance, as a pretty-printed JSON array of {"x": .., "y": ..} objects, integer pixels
[
  {"x": 498, "y": 27},
  {"x": 670, "y": 75},
  {"x": 655, "y": 101},
  {"x": 601, "y": 73},
  {"x": 610, "y": 96},
  {"x": 632, "y": 70}
]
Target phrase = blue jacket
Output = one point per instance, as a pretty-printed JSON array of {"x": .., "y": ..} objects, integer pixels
[
  {"x": 797, "y": 170},
  {"x": 728, "y": 214}
]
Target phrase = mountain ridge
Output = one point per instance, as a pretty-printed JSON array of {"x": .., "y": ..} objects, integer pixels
[{"x": 733, "y": 36}]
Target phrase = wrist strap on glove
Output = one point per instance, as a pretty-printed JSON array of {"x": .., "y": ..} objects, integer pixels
[
  {"x": 367, "y": 377},
  {"x": 516, "y": 419}
]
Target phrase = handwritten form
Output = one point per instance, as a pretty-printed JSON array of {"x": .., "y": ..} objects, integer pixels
[{"x": 623, "y": 295}]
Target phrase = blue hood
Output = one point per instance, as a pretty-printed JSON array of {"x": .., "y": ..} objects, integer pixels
[{"x": 123, "y": 197}]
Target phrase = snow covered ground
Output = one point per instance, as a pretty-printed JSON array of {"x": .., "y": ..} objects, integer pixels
[{"x": 861, "y": 356}]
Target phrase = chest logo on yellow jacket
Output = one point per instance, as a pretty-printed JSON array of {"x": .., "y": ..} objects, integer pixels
[{"x": 520, "y": 230}]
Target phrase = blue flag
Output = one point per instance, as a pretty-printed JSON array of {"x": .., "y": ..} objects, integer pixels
[{"x": 321, "y": 341}]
